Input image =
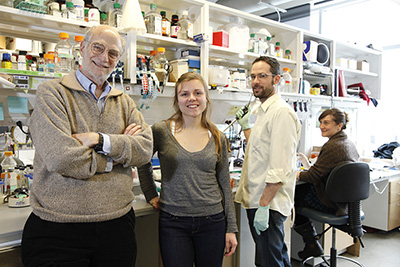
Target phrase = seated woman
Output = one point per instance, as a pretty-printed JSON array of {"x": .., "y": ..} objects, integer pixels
[{"x": 339, "y": 149}]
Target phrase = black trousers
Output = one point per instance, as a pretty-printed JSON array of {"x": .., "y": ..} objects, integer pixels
[
  {"x": 109, "y": 243},
  {"x": 306, "y": 196}
]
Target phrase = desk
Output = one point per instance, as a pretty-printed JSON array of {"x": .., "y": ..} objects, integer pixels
[{"x": 382, "y": 208}]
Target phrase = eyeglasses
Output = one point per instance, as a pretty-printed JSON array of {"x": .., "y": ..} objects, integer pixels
[
  {"x": 98, "y": 49},
  {"x": 261, "y": 76}
]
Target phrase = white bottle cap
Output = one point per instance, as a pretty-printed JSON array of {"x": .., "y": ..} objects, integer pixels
[{"x": 185, "y": 12}]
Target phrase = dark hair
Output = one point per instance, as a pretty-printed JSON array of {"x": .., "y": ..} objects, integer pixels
[
  {"x": 338, "y": 116},
  {"x": 272, "y": 62},
  {"x": 205, "y": 117}
]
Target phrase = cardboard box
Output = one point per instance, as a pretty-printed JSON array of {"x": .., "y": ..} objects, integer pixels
[
  {"x": 194, "y": 61},
  {"x": 179, "y": 67},
  {"x": 19, "y": 44},
  {"x": 2, "y": 42},
  {"x": 363, "y": 65},
  {"x": 221, "y": 38}
]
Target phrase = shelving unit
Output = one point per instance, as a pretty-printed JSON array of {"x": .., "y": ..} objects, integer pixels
[{"x": 206, "y": 15}]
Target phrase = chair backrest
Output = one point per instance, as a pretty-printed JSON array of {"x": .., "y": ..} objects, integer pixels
[{"x": 348, "y": 182}]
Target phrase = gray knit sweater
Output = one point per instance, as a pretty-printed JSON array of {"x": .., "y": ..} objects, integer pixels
[
  {"x": 193, "y": 183},
  {"x": 70, "y": 183}
]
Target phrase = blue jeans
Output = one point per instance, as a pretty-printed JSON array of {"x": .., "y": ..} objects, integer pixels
[
  {"x": 188, "y": 240},
  {"x": 271, "y": 250}
]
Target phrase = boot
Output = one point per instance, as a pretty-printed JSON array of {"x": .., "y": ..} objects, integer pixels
[{"x": 312, "y": 247}]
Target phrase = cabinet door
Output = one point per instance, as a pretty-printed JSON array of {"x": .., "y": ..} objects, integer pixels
[{"x": 376, "y": 207}]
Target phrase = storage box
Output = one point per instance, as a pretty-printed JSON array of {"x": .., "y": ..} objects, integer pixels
[
  {"x": 190, "y": 52},
  {"x": 363, "y": 65},
  {"x": 19, "y": 44},
  {"x": 221, "y": 38},
  {"x": 2, "y": 42},
  {"x": 218, "y": 76},
  {"x": 352, "y": 64},
  {"x": 194, "y": 61},
  {"x": 179, "y": 67},
  {"x": 342, "y": 62}
]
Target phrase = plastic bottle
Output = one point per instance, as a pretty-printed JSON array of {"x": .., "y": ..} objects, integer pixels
[
  {"x": 186, "y": 27},
  {"x": 14, "y": 62},
  {"x": 69, "y": 12},
  {"x": 153, "y": 59},
  {"x": 86, "y": 14},
  {"x": 103, "y": 19},
  {"x": 288, "y": 54},
  {"x": 64, "y": 11},
  {"x": 271, "y": 47},
  {"x": 49, "y": 62},
  {"x": 115, "y": 15},
  {"x": 8, "y": 166},
  {"x": 94, "y": 16},
  {"x": 63, "y": 54},
  {"x": 288, "y": 80},
  {"x": 165, "y": 24},
  {"x": 161, "y": 61},
  {"x": 242, "y": 79},
  {"x": 153, "y": 21},
  {"x": 53, "y": 8},
  {"x": 76, "y": 51},
  {"x": 252, "y": 41},
  {"x": 278, "y": 50},
  {"x": 6, "y": 63},
  {"x": 79, "y": 9},
  {"x": 21, "y": 61},
  {"x": 29, "y": 61},
  {"x": 236, "y": 79},
  {"x": 41, "y": 62},
  {"x": 175, "y": 25}
]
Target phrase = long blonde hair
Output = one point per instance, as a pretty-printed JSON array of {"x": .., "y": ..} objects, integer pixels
[{"x": 205, "y": 116}]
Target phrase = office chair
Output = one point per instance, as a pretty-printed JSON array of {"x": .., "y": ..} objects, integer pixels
[{"x": 347, "y": 183}]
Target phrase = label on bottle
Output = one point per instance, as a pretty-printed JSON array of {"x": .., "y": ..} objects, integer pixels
[
  {"x": 50, "y": 67},
  {"x": 174, "y": 31},
  {"x": 166, "y": 27},
  {"x": 157, "y": 25},
  {"x": 41, "y": 67},
  {"x": 79, "y": 10},
  {"x": 6, "y": 65},
  {"x": 118, "y": 18},
  {"x": 190, "y": 30},
  {"x": 71, "y": 15}
]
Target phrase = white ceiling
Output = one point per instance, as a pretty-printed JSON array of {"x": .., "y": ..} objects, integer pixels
[{"x": 262, "y": 7}]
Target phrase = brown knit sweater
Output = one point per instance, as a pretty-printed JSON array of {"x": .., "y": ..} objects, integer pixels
[
  {"x": 70, "y": 183},
  {"x": 336, "y": 151}
]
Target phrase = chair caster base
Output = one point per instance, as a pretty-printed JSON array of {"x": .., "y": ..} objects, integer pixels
[{"x": 326, "y": 261}]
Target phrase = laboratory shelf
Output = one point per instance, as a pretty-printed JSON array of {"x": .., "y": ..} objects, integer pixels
[{"x": 41, "y": 27}]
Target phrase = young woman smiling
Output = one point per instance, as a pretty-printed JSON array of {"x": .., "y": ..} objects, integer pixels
[{"x": 197, "y": 218}]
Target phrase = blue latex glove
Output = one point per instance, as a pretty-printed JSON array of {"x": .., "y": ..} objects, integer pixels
[
  {"x": 261, "y": 219},
  {"x": 243, "y": 116}
]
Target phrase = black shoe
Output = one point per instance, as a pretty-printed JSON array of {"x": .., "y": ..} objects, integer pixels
[{"x": 314, "y": 250}]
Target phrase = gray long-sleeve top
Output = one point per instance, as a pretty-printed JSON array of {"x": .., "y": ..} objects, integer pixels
[{"x": 193, "y": 183}]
